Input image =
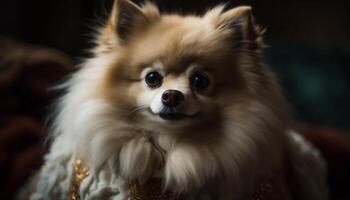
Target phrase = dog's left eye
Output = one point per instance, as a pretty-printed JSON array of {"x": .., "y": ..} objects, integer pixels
[
  {"x": 199, "y": 81},
  {"x": 153, "y": 79}
]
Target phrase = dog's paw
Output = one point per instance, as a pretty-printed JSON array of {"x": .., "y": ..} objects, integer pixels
[{"x": 139, "y": 159}]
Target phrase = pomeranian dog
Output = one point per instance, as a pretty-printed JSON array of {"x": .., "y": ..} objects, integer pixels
[{"x": 177, "y": 107}]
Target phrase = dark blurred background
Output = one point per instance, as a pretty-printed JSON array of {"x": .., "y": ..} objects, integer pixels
[{"x": 309, "y": 49}]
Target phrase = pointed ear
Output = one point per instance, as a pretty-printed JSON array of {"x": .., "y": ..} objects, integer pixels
[
  {"x": 125, "y": 17},
  {"x": 240, "y": 21}
]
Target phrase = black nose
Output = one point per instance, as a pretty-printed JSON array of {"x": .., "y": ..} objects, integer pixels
[{"x": 172, "y": 98}]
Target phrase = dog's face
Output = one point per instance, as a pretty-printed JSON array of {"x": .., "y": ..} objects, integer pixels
[
  {"x": 168, "y": 95},
  {"x": 173, "y": 70}
]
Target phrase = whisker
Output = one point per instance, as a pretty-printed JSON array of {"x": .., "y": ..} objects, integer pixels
[{"x": 137, "y": 109}]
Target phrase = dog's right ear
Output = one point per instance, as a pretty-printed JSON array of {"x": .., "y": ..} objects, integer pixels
[{"x": 126, "y": 19}]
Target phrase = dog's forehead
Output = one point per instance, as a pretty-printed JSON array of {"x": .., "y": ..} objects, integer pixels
[
  {"x": 177, "y": 42},
  {"x": 170, "y": 71}
]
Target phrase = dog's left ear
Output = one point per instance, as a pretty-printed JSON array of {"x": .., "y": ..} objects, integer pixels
[{"x": 240, "y": 22}]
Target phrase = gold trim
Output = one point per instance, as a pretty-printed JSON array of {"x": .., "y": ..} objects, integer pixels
[{"x": 79, "y": 174}]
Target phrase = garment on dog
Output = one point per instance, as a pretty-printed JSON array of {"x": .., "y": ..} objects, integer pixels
[{"x": 269, "y": 187}]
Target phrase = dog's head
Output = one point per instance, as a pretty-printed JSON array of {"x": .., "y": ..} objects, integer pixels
[{"x": 176, "y": 70}]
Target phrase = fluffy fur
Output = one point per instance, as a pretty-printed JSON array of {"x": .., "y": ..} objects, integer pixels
[{"x": 110, "y": 117}]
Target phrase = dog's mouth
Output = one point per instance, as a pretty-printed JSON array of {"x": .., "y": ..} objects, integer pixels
[{"x": 174, "y": 116}]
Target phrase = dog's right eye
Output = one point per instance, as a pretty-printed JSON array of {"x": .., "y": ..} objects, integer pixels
[{"x": 153, "y": 79}]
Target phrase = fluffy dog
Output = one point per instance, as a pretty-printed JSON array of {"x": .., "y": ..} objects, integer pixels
[{"x": 186, "y": 100}]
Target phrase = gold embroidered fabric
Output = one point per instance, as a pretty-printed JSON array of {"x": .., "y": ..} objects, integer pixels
[
  {"x": 79, "y": 174},
  {"x": 151, "y": 190},
  {"x": 270, "y": 187}
]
